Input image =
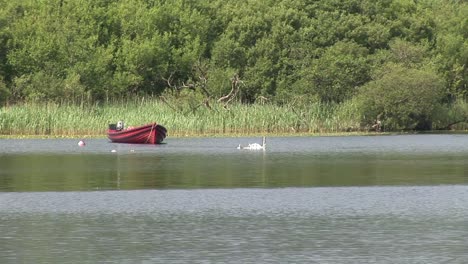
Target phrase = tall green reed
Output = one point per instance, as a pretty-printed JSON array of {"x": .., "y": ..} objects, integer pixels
[{"x": 69, "y": 119}]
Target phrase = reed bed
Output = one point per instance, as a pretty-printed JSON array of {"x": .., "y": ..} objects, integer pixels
[{"x": 71, "y": 120}]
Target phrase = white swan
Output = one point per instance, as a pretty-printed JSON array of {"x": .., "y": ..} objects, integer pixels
[{"x": 254, "y": 146}]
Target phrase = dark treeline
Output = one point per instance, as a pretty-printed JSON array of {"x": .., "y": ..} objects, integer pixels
[{"x": 402, "y": 61}]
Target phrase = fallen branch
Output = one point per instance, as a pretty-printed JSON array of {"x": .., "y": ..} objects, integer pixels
[{"x": 449, "y": 126}]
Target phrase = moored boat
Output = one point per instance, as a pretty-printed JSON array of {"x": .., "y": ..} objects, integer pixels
[{"x": 147, "y": 134}]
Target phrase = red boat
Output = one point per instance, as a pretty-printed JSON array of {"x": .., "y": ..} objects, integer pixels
[{"x": 147, "y": 134}]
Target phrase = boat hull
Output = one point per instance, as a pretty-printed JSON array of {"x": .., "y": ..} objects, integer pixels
[{"x": 147, "y": 134}]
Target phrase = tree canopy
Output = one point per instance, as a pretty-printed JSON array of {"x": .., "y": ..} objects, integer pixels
[{"x": 330, "y": 51}]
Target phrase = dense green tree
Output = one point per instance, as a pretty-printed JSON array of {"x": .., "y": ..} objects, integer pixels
[
  {"x": 328, "y": 51},
  {"x": 402, "y": 97},
  {"x": 451, "y": 49},
  {"x": 5, "y": 36},
  {"x": 337, "y": 74}
]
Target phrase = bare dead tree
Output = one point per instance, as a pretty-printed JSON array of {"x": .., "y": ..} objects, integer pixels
[
  {"x": 377, "y": 126},
  {"x": 201, "y": 85},
  {"x": 190, "y": 86},
  {"x": 206, "y": 102},
  {"x": 235, "y": 87},
  {"x": 169, "y": 81},
  {"x": 202, "y": 70},
  {"x": 177, "y": 88}
]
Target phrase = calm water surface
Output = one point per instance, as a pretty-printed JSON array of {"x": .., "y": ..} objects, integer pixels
[{"x": 363, "y": 199}]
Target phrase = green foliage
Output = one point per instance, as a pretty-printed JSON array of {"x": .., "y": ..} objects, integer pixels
[
  {"x": 4, "y": 92},
  {"x": 5, "y": 36},
  {"x": 337, "y": 74},
  {"x": 323, "y": 51},
  {"x": 451, "y": 51},
  {"x": 402, "y": 98},
  {"x": 452, "y": 116},
  {"x": 61, "y": 119}
]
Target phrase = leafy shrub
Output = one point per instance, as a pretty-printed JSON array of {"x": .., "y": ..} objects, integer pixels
[{"x": 401, "y": 98}]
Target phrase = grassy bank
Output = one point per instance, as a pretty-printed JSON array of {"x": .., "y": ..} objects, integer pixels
[
  {"x": 185, "y": 119},
  {"x": 52, "y": 119}
]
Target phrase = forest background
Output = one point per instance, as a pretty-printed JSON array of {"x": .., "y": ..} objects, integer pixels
[{"x": 69, "y": 67}]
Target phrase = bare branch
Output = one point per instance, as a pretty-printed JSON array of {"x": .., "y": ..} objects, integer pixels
[
  {"x": 190, "y": 86},
  {"x": 169, "y": 81},
  {"x": 450, "y": 126},
  {"x": 262, "y": 99},
  {"x": 204, "y": 82},
  {"x": 235, "y": 81},
  {"x": 207, "y": 103}
]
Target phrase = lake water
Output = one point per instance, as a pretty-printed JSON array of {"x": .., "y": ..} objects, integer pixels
[{"x": 356, "y": 199}]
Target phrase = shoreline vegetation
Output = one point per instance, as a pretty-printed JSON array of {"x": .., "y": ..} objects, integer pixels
[
  {"x": 69, "y": 68},
  {"x": 70, "y": 120}
]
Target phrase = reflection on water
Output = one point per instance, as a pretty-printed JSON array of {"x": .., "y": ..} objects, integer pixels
[
  {"x": 381, "y": 199},
  {"x": 60, "y": 165}
]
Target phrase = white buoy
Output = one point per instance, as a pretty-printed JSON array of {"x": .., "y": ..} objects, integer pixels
[{"x": 81, "y": 143}]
